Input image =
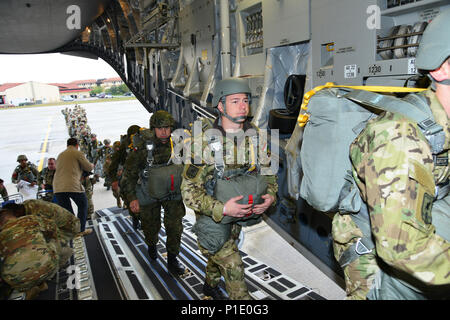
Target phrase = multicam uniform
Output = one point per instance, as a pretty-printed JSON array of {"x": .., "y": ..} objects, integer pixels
[
  {"x": 396, "y": 174},
  {"x": 68, "y": 225},
  {"x": 28, "y": 246},
  {"x": 227, "y": 261}
]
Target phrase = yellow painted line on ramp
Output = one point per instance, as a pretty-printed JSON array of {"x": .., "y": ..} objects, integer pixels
[{"x": 44, "y": 146}]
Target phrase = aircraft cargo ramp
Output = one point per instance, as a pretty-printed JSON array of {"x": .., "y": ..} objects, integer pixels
[{"x": 112, "y": 263}]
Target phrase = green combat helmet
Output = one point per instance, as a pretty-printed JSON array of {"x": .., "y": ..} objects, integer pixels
[
  {"x": 434, "y": 47},
  {"x": 132, "y": 130},
  {"x": 22, "y": 157},
  {"x": 160, "y": 119},
  {"x": 226, "y": 87}
]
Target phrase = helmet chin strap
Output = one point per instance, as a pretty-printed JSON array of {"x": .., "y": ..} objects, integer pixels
[
  {"x": 445, "y": 82},
  {"x": 237, "y": 120}
]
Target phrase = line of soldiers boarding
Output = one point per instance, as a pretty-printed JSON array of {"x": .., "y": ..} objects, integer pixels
[
  {"x": 95, "y": 151},
  {"x": 409, "y": 258}
]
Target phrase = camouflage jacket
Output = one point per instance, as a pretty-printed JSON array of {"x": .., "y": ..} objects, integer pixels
[
  {"x": 93, "y": 148},
  {"x": 103, "y": 153},
  {"x": 137, "y": 159},
  {"x": 26, "y": 232},
  {"x": 196, "y": 175},
  {"x": 46, "y": 177},
  {"x": 118, "y": 159},
  {"x": 396, "y": 174},
  {"x": 64, "y": 219},
  {"x": 29, "y": 173},
  {"x": 83, "y": 141}
]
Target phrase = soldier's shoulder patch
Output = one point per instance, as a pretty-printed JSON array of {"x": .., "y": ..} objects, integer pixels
[
  {"x": 191, "y": 171},
  {"x": 427, "y": 206}
]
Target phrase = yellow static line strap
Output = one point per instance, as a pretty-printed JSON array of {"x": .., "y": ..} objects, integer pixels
[
  {"x": 303, "y": 118},
  {"x": 253, "y": 157}
]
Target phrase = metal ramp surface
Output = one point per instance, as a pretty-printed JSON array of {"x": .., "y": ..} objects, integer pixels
[{"x": 142, "y": 278}]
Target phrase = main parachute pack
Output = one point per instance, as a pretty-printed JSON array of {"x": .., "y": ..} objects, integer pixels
[{"x": 335, "y": 117}]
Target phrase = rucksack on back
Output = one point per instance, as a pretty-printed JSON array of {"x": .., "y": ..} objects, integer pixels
[
  {"x": 334, "y": 123},
  {"x": 336, "y": 115}
]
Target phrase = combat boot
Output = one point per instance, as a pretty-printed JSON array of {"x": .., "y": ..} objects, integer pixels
[
  {"x": 213, "y": 292},
  {"x": 174, "y": 265},
  {"x": 152, "y": 252}
]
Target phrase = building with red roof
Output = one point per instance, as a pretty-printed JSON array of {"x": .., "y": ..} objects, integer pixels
[{"x": 71, "y": 90}]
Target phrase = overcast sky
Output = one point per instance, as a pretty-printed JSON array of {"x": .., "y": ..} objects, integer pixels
[{"x": 52, "y": 67}]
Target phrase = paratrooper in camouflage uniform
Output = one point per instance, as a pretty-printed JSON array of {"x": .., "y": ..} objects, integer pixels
[
  {"x": 67, "y": 223},
  {"x": 158, "y": 136},
  {"x": 92, "y": 151},
  {"x": 405, "y": 188},
  {"x": 115, "y": 170},
  {"x": 108, "y": 159},
  {"x": 29, "y": 250},
  {"x": 105, "y": 151},
  {"x": 232, "y": 97},
  {"x": 84, "y": 141},
  {"x": 34, "y": 243},
  {"x": 25, "y": 171}
]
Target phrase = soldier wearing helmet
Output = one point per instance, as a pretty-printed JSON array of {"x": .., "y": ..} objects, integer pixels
[
  {"x": 220, "y": 217},
  {"x": 93, "y": 147},
  {"x": 25, "y": 171},
  {"x": 115, "y": 169},
  {"x": 84, "y": 141},
  {"x": 153, "y": 181},
  {"x": 105, "y": 151},
  {"x": 403, "y": 177},
  {"x": 108, "y": 159}
]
